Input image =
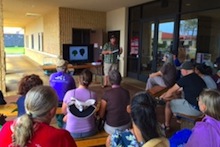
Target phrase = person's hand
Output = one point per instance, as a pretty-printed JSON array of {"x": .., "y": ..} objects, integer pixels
[
  {"x": 121, "y": 50},
  {"x": 151, "y": 75},
  {"x": 109, "y": 52}
]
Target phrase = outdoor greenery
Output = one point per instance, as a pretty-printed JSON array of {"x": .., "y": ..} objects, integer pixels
[{"x": 14, "y": 50}]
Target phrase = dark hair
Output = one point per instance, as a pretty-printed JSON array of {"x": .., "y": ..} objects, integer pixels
[
  {"x": 204, "y": 69},
  {"x": 28, "y": 82},
  {"x": 115, "y": 77},
  {"x": 144, "y": 116},
  {"x": 85, "y": 77}
]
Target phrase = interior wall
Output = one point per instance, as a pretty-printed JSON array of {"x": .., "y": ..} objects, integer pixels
[
  {"x": 49, "y": 25},
  {"x": 118, "y": 20},
  {"x": 33, "y": 28},
  {"x": 74, "y": 18},
  {"x": 2, "y": 54}
]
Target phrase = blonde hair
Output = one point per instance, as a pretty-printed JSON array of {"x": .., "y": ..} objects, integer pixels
[
  {"x": 39, "y": 102},
  {"x": 211, "y": 98}
]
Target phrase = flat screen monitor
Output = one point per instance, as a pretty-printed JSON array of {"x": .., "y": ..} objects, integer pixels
[{"x": 78, "y": 54}]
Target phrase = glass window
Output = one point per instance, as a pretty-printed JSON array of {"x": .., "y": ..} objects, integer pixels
[
  {"x": 135, "y": 13},
  {"x": 133, "y": 54},
  {"x": 32, "y": 41}
]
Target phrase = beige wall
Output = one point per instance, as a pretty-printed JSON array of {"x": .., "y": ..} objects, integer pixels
[
  {"x": 49, "y": 25},
  {"x": 74, "y": 18},
  {"x": 2, "y": 55},
  {"x": 52, "y": 32},
  {"x": 117, "y": 20},
  {"x": 57, "y": 30},
  {"x": 33, "y": 28}
]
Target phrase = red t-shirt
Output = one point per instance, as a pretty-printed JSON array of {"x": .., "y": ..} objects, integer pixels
[{"x": 44, "y": 136}]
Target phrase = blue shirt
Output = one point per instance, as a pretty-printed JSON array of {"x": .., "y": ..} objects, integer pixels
[
  {"x": 20, "y": 104},
  {"x": 61, "y": 82}
]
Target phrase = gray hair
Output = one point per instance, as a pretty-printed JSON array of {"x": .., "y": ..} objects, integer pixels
[
  {"x": 169, "y": 57},
  {"x": 211, "y": 98},
  {"x": 39, "y": 101},
  {"x": 115, "y": 77}
]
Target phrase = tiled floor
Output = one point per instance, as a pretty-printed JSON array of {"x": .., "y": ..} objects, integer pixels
[{"x": 18, "y": 66}]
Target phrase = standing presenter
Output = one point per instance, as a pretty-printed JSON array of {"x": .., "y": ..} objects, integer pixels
[{"x": 111, "y": 52}]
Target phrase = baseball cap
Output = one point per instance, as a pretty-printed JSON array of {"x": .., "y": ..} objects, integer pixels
[
  {"x": 61, "y": 63},
  {"x": 187, "y": 65},
  {"x": 112, "y": 36}
]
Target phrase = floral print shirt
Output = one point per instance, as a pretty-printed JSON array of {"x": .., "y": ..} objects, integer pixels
[{"x": 124, "y": 139}]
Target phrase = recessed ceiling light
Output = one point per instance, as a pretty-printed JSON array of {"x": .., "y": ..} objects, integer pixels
[
  {"x": 188, "y": 4},
  {"x": 32, "y": 14}
]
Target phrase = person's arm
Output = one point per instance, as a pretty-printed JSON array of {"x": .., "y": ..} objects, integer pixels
[
  {"x": 65, "y": 102},
  {"x": 102, "y": 108},
  {"x": 200, "y": 137},
  {"x": 105, "y": 50},
  {"x": 159, "y": 73},
  {"x": 64, "y": 108},
  {"x": 168, "y": 95},
  {"x": 121, "y": 50},
  {"x": 108, "y": 141}
]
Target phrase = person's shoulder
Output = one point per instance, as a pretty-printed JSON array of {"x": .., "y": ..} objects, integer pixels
[{"x": 59, "y": 135}]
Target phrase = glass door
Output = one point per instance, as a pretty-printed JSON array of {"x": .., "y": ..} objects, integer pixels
[
  {"x": 165, "y": 40},
  {"x": 146, "y": 52}
]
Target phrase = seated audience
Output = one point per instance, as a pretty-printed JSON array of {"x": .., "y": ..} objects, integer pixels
[
  {"x": 32, "y": 128},
  {"x": 114, "y": 104},
  {"x": 2, "y": 100},
  {"x": 61, "y": 82},
  {"x": 145, "y": 130},
  {"x": 80, "y": 127},
  {"x": 192, "y": 85},
  {"x": 166, "y": 76},
  {"x": 207, "y": 132},
  {"x": 203, "y": 71},
  {"x": 216, "y": 77},
  {"x": 26, "y": 83}
]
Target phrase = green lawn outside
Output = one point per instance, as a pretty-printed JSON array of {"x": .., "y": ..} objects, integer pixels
[{"x": 14, "y": 50}]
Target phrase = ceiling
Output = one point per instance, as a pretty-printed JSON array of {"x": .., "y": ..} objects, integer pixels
[{"x": 14, "y": 11}]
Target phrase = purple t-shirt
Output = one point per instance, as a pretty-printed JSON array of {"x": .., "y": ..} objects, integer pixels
[
  {"x": 205, "y": 133},
  {"x": 61, "y": 82},
  {"x": 73, "y": 124}
]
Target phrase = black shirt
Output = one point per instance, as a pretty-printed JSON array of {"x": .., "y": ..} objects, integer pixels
[{"x": 192, "y": 86}]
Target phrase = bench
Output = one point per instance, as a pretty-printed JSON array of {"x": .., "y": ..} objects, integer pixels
[
  {"x": 157, "y": 91},
  {"x": 10, "y": 110},
  {"x": 188, "y": 121},
  {"x": 96, "y": 140}
]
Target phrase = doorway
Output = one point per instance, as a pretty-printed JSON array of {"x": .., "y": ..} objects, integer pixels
[{"x": 149, "y": 40}]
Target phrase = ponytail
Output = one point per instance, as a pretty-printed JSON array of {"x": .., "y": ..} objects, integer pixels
[
  {"x": 38, "y": 103},
  {"x": 22, "y": 130}
]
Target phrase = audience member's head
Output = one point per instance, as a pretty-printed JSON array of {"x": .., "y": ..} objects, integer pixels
[
  {"x": 168, "y": 58},
  {"x": 61, "y": 65},
  {"x": 187, "y": 68},
  {"x": 40, "y": 105},
  {"x": 203, "y": 69},
  {"x": 85, "y": 78},
  {"x": 28, "y": 82},
  {"x": 143, "y": 115},
  {"x": 209, "y": 102},
  {"x": 115, "y": 77}
]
